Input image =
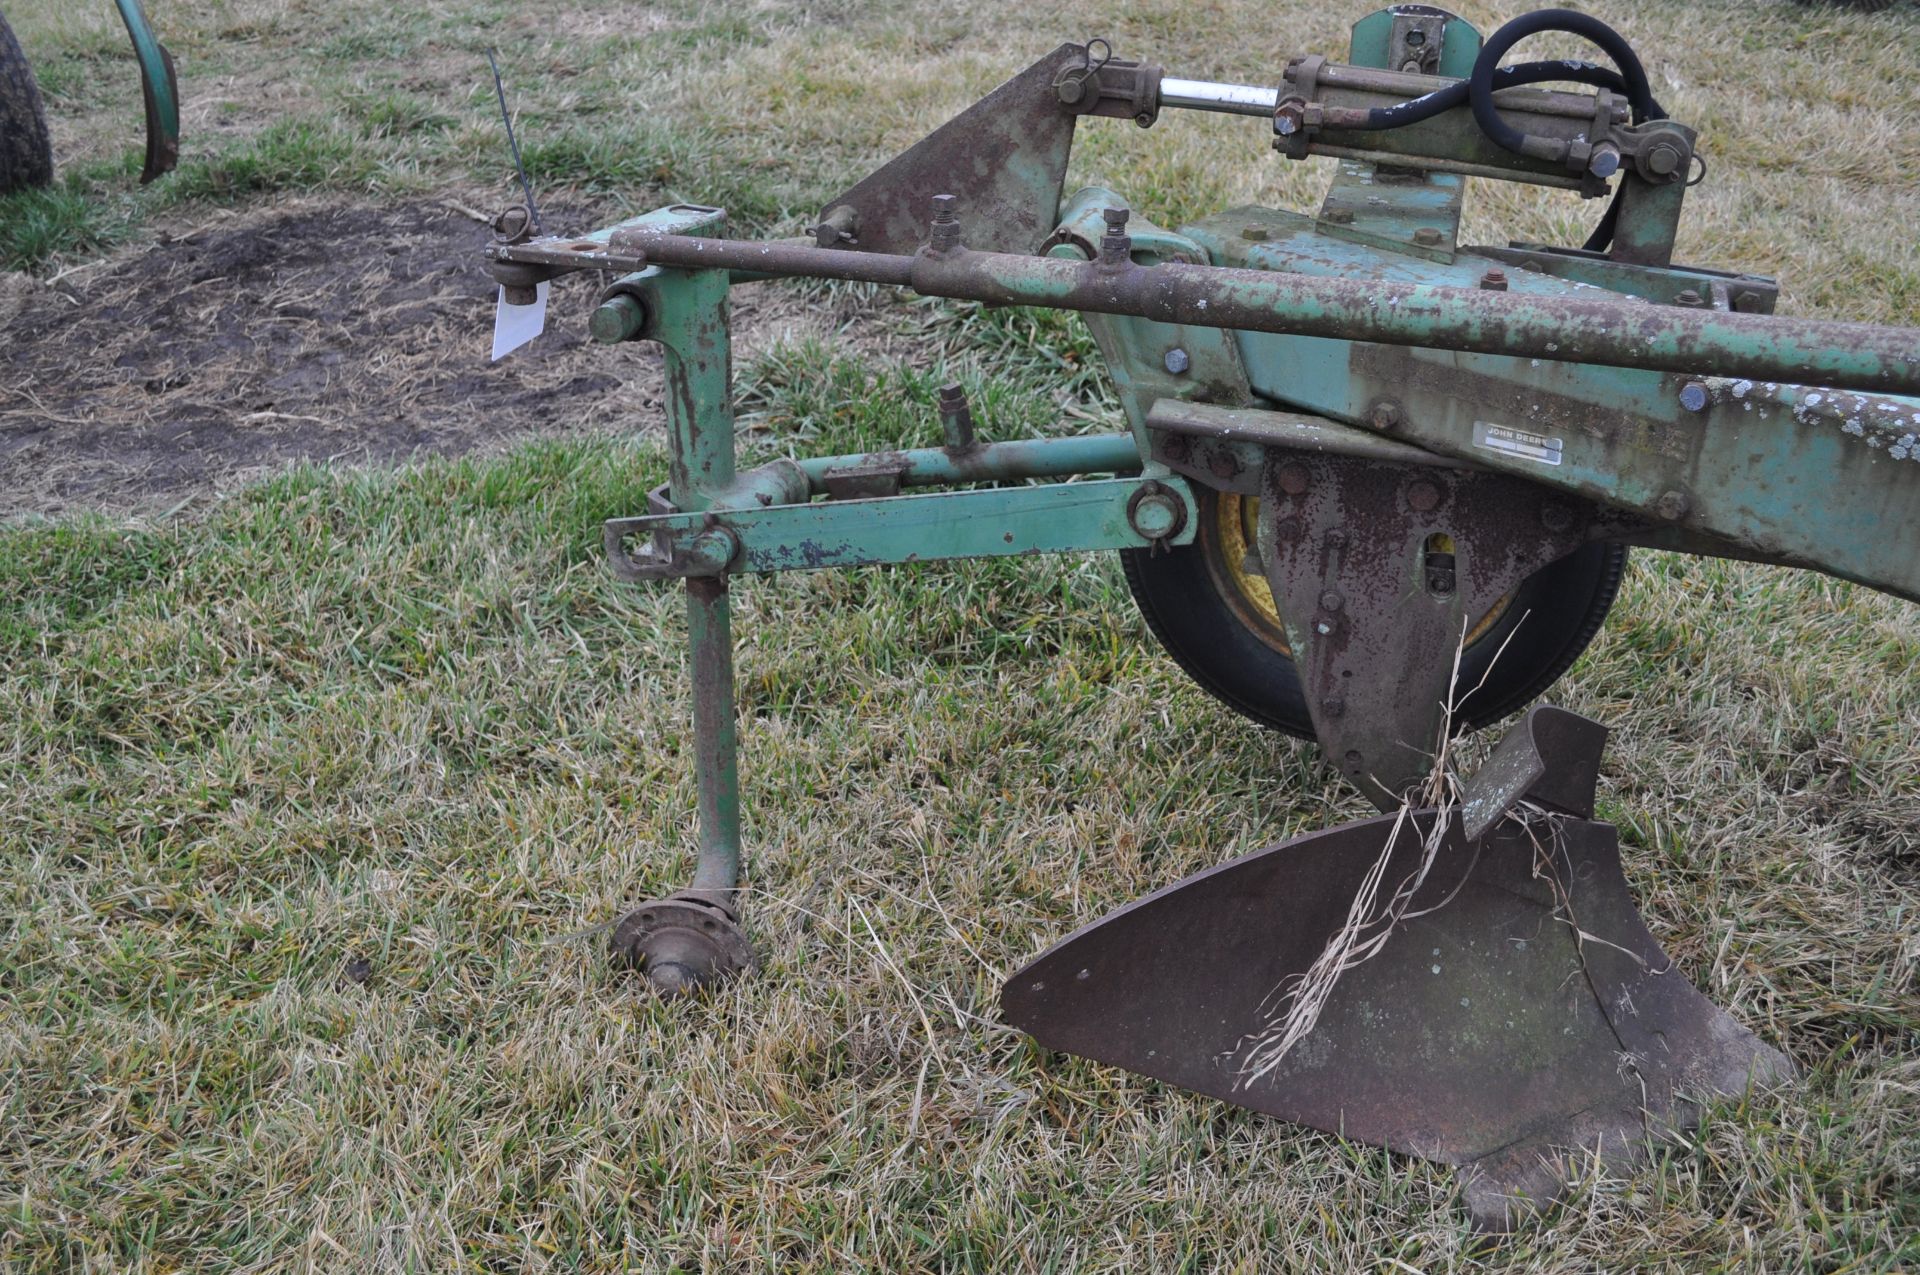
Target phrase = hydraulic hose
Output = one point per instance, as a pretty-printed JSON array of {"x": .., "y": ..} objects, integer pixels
[
  {"x": 1480, "y": 84},
  {"x": 1633, "y": 76},
  {"x": 1506, "y": 77}
]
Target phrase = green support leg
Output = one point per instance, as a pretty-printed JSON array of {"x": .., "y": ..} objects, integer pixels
[
  {"x": 693, "y": 939},
  {"x": 716, "y": 747}
]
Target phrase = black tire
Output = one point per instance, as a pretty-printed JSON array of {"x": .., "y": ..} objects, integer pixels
[
  {"x": 1236, "y": 650},
  {"x": 26, "y": 151}
]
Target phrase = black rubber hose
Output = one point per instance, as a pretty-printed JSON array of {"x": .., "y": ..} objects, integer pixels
[
  {"x": 1506, "y": 77},
  {"x": 1480, "y": 84},
  {"x": 1640, "y": 100}
]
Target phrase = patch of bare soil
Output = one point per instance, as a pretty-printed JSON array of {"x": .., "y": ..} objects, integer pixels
[{"x": 310, "y": 333}]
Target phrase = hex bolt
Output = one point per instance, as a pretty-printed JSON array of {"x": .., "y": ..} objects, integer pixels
[
  {"x": 618, "y": 318},
  {"x": 1605, "y": 160},
  {"x": 1688, "y": 297},
  {"x": 1749, "y": 302},
  {"x": 1289, "y": 117},
  {"x": 1294, "y": 479},
  {"x": 946, "y": 224},
  {"x": 1494, "y": 281},
  {"x": 1256, "y": 234},
  {"x": 1555, "y": 516},
  {"x": 1426, "y": 237},
  {"x": 1694, "y": 396},
  {"x": 1672, "y": 505},
  {"x": 1423, "y": 496},
  {"x": 1177, "y": 361},
  {"x": 1386, "y": 414}
]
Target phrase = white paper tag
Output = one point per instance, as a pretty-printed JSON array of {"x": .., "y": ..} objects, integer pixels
[{"x": 515, "y": 325}]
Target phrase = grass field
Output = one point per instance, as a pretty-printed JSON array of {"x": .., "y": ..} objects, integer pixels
[{"x": 312, "y": 803}]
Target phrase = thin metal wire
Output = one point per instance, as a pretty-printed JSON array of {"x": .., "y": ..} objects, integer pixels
[{"x": 506, "y": 117}]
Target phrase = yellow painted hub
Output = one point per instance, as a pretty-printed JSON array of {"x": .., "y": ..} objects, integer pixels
[{"x": 1235, "y": 563}]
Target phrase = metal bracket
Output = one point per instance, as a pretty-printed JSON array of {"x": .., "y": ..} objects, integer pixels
[
  {"x": 1004, "y": 159},
  {"x": 1381, "y": 572},
  {"x": 1416, "y": 39},
  {"x": 1105, "y": 85},
  {"x": 991, "y": 522}
]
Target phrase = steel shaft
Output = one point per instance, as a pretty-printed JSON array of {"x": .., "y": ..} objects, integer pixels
[{"x": 1817, "y": 352}]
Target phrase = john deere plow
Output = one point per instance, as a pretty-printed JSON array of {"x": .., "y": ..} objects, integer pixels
[{"x": 1376, "y": 487}]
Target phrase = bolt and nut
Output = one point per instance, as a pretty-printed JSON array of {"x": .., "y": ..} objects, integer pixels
[
  {"x": 1663, "y": 160},
  {"x": 946, "y": 224},
  {"x": 1673, "y": 505},
  {"x": 1423, "y": 496}
]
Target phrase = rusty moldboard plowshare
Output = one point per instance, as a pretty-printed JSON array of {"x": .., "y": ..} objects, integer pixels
[{"x": 1376, "y": 486}]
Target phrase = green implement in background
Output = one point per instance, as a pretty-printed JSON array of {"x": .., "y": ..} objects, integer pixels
[{"x": 159, "y": 90}]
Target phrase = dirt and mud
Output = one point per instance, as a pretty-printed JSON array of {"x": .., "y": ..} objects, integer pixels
[{"x": 333, "y": 333}]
